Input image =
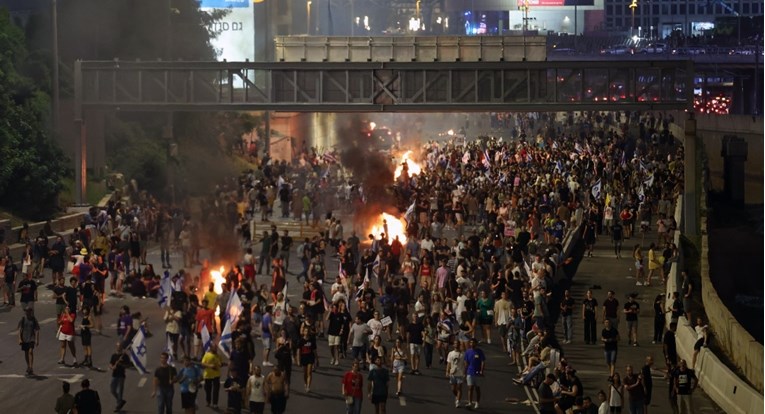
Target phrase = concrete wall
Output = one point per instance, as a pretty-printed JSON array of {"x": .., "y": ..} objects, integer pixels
[
  {"x": 723, "y": 386},
  {"x": 711, "y": 129}
]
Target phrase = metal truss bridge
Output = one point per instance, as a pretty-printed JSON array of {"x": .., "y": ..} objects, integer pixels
[{"x": 383, "y": 86}]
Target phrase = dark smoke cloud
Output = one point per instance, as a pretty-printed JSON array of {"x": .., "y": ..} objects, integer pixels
[{"x": 371, "y": 168}]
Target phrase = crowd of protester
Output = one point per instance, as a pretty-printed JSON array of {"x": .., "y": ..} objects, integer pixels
[{"x": 479, "y": 266}]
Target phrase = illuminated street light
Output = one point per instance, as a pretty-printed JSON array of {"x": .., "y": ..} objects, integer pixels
[{"x": 633, "y": 6}]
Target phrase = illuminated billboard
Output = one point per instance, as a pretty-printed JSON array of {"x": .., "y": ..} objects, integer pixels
[{"x": 236, "y": 30}]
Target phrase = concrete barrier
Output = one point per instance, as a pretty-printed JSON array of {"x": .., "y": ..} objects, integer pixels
[{"x": 721, "y": 384}]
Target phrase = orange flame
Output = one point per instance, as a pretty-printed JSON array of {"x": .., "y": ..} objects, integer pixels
[
  {"x": 396, "y": 227},
  {"x": 413, "y": 167},
  {"x": 218, "y": 280}
]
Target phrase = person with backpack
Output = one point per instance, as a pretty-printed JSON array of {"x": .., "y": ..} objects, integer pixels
[{"x": 29, "y": 337}]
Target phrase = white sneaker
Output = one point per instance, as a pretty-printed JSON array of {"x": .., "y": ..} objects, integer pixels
[
  {"x": 475, "y": 405},
  {"x": 639, "y": 283},
  {"x": 267, "y": 364},
  {"x": 488, "y": 341},
  {"x": 456, "y": 403}
]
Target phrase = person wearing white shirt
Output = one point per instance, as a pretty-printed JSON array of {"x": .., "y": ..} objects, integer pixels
[
  {"x": 375, "y": 325},
  {"x": 461, "y": 298},
  {"x": 455, "y": 371},
  {"x": 255, "y": 390},
  {"x": 427, "y": 244}
]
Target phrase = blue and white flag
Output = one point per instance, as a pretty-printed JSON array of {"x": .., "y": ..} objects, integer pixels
[
  {"x": 409, "y": 215},
  {"x": 649, "y": 181},
  {"x": 225, "y": 339},
  {"x": 596, "y": 190},
  {"x": 165, "y": 290},
  {"x": 486, "y": 161},
  {"x": 555, "y": 145},
  {"x": 138, "y": 351},
  {"x": 234, "y": 307},
  {"x": 559, "y": 166},
  {"x": 206, "y": 340},
  {"x": 641, "y": 193},
  {"x": 578, "y": 148},
  {"x": 623, "y": 161},
  {"x": 170, "y": 353}
]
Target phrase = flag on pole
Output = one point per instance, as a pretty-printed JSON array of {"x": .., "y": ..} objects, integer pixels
[
  {"x": 578, "y": 147},
  {"x": 234, "y": 307},
  {"x": 165, "y": 290},
  {"x": 486, "y": 161},
  {"x": 623, "y": 161},
  {"x": 466, "y": 157},
  {"x": 596, "y": 190},
  {"x": 409, "y": 214},
  {"x": 527, "y": 268},
  {"x": 641, "y": 193},
  {"x": 555, "y": 145},
  {"x": 649, "y": 181},
  {"x": 206, "y": 341},
  {"x": 169, "y": 350},
  {"x": 138, "y": 351},
  {"x": 225, "y": 339},
  {"x": 559, "y": 166}
]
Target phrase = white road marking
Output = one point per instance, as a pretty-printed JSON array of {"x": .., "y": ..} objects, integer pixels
[
  {"x": 402, "y": 401},
  {"x": 74, "y": 379},
  {"x": 142, "y": 382},
  {"x": 48, "y": 320}
]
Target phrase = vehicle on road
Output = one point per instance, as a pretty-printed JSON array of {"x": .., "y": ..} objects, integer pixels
[
  {"x": 653, "y": 48},
  {"x": 692, "y": 50},
  {"x": 618, "y": 50}
]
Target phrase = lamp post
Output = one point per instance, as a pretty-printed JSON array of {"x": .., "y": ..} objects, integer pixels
[
  {"x": 633, "y": 6},
  {"x": 308, "y": 17}
]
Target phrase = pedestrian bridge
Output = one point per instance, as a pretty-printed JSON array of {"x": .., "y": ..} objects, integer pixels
[{"x": 435, "y": 86}]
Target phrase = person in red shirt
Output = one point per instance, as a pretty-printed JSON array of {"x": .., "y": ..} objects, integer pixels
[
  {"x": 353, "y": 390},
  {"x": 205, "y": 317},
  {"x": 66, "y": 335}
]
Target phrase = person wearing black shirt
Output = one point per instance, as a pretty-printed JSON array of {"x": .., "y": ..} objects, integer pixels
[
  {"x": 28, "y": 289},
  {"x": 567, "y": 311},
  {"x": 10, "y": 280},
  {"x": 87, "y": 401},
  {"x": 546, "y": 396},
  {"x": 670, "y": 347},
  {"x": 610, "y": 338},
  {"x": 59, "y": 292},
  {"x": 658, "y": 318},
  {"x": 164, "y": 378},
  {"x": 645, "y": 372},
  {"x": 617, "y": 237},
  {"x": 414, "y": 338},
  {"x": 117, "y": 364},
  {"x": 684, "y": 381},
  {"x": 589, "y": 315},
  {"x": 285, "y": 248},
  {"x": 72, "y": 292},
  {"x": 631, "y": 311},
  {"x": 334, "y": 330}
]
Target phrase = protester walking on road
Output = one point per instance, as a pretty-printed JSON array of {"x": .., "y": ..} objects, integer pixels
[
  {"x": 377, "y": 387},
  {"x": 277, "y": 390},
  {"x": 29, "y": 337},
  {"x": 164, "y": 378},
  {"x": 353, "y": 389},
  {"x": 117, "y": 364},
  {"x": 631, "y": 312},
  {"x": 616, "y": 394},
  {"x": 64, "y": 403},
  {"x": 589, "y": 315},
  {"x": 455, "y": 371},
  {"x": 475, "y": 362},
  {"x": 87, "y": 401},
  {"x": 211, "y": 363},
  {"x": 610, "y": 338}
]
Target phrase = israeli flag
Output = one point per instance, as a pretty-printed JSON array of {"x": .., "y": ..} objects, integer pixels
[
  {"x": 165, "y": 290},
  {"x": 486, "y": 161},
  {"x": 225, "y": 339},
  {"x": 409, "y": 215},
  {"x": 466, "y": 157},
  {"x": 641, "y": 193},
  {"x": 206, "y": 341},
  {"x": 596, "y": 190},
  {"x": 234, "y": 307},
  {"x": 284, "y": 292},
  {"x": 578, "y": 148},
  {"x": 138, "y": 351},
  {"x": 559, "y": 166},
  {"x": 169, "y": 350},
  {"x": 649, "y": 181}
]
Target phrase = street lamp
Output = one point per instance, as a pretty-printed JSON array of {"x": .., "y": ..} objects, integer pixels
[
  {"x": 308, "y": 17},
  {"x": 633, "y": 6}
]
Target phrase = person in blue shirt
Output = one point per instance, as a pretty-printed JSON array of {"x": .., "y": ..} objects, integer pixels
[
  {"x": 189, "y": 379},
  {"x": 266, "y": 323},
  {"x": 475, "y": 361}
]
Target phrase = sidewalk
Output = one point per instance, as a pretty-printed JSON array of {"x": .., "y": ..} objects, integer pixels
[{"x": 618, "y": 275}]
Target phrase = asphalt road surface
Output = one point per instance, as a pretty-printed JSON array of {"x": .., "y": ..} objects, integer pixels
[{"x": 38, "y": 394}]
